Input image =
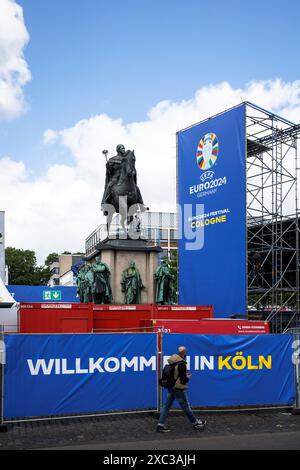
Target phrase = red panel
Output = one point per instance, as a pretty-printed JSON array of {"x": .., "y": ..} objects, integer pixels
[
  {"x": 102, "y": 325},
  {"x": 182, "y": 312},
  {"x": 208, "y": 327},
  {"x": 73, "y": 325},
  {"x": 56, "y": 318},
  {"x": 109, "y": 318},
  {"x": 83, "y": 318},
  {"x": 112, "y": 318}
]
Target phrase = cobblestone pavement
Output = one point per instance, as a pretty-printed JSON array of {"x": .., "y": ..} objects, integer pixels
[
  {"x": 141, "y": 427},
  {"x": 262, "y": 441}
]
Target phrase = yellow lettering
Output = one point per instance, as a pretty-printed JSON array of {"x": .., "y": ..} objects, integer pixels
[
  {"x": 250, "y": 365},
  {"x": 223, "y": 362},
  {"x": 265, "y": 362},
  {"x": 209, "y": 221},
  {"x": 242, "y": 360}
]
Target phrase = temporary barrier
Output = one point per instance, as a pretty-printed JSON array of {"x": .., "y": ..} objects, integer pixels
[
  {"x": 44, "y": 294},
  {"x": 208, "y": 327},
  {"x": 74, "y": 374},
  {"x": 56, "y": 318},
  {"x": 237, "y": 370},
  {"x": 2, "y": 362},
  {"x": 112, "y": 318},
  {"x": 181, "y": 312},
  {"x": 70, "y": 375},
  {"x": 85, "y": 318},
  {"x": 296, "y": 361}
]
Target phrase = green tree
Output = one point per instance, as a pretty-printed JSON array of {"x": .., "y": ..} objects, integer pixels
[
  {"x": 41, "y": 276},
  {"x": 173, "y": 262},
  {"x": 23, "y": 269},
  {"x": 21, "y": 266},
  {"x": 51, "y": 258},
  {"x": 173, "y": 265}
]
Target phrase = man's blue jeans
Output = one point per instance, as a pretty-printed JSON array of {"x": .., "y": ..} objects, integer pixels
[{"x": 181, "y": 397}]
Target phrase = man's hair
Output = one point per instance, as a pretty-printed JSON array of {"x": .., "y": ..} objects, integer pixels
[{"x": 181, "y": 350}]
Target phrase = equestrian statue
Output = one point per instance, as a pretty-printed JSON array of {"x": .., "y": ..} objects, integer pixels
[{"x": 121, "y": 194}]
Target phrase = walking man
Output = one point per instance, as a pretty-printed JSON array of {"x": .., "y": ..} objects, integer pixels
[{"x": 179, "y": 393}]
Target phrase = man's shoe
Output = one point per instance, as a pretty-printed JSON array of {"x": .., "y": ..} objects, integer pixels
[
  {"x": 199, "y": 424},
  {"x": 162, "y": 428}
]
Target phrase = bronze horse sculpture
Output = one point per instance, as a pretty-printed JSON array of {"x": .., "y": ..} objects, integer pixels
[{"x": 124, "y": 195}]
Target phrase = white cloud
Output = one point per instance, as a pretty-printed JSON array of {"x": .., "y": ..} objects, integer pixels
[
  {"x": 11, "y": 171},
  {"x": 49, "y": 136},
  {"x": 14, "y": 72},
  {"x": 57, "y": 210}
]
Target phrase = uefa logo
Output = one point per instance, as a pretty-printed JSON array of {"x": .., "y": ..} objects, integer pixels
[{"x": 208, "y": 151}]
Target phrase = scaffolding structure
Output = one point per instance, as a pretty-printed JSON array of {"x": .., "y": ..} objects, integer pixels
[{"x": 273, "y": 217}]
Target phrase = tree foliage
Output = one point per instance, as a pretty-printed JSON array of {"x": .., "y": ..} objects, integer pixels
[
  {"x": 23, "y": 269},
  {"x": 173, "y": 265},
  {"x": 51, "y": 258},
  {"x": 21, "y": 266}
]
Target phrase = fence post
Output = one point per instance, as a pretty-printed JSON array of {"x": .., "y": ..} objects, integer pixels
[
  {"x": 3, "y": 427},
  {"x": 296, "y": 410},
  {"x": 159, "y": 369}
]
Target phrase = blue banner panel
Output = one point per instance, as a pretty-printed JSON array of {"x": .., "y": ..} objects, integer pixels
[
  {"x": 70, "y": 374},
  {"x": 237, "y": 371},
  {"x": 212, "y": 197},
  {"x": 41, "y": 294}
]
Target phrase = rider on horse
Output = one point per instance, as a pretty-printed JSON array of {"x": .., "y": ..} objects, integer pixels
[{"x": 113, "y": 172}]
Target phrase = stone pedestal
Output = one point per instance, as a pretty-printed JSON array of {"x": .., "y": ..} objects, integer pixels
[{"x": 118, "y": 254}]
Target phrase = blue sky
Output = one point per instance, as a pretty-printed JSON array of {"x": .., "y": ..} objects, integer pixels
[{"x": 122, "y": 57}]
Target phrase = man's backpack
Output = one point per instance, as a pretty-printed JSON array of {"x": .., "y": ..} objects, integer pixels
[{"x": 167, "y": 378}]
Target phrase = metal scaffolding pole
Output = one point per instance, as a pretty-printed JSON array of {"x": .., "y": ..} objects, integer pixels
[{"x": 272, "y": 217}]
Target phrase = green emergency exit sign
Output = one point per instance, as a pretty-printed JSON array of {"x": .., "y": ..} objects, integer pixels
[{"x": 52, "y": 295}]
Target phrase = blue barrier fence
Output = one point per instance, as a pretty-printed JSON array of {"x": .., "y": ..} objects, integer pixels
[
  {"x": 60, "y": 375},
  {"x": 238, "y": 370},
  {"x": 74, "y": 374},
  {"x": 41, "y": 294}
]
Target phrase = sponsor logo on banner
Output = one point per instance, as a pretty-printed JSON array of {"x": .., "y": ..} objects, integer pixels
[
  {"x": 208, "y": 151},
  {"x": 207, "y": 156}
]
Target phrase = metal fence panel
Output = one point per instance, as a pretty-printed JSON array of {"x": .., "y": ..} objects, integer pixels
[
  {"x": 75, "y": 374},
  {"x": 237, "y": 370}
]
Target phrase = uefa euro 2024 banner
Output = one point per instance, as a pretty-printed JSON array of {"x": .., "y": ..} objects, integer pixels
[
  {"x": 237, "y": 371},
  {"x": 212, "y": 199},
  {"x": 71, "y": 374}
]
